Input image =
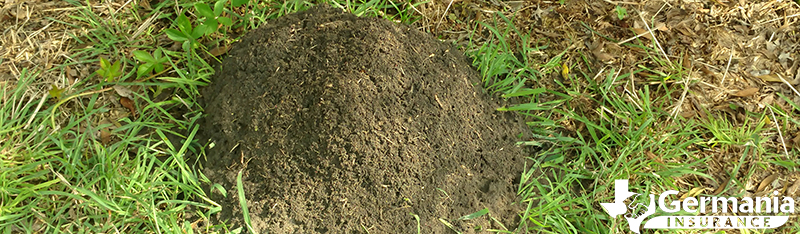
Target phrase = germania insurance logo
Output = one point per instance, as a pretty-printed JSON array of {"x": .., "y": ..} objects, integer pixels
[{"x": 752, "y": 213}]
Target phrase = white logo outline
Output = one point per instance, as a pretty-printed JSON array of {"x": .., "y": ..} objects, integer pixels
[{"x": 640, "y": 212}]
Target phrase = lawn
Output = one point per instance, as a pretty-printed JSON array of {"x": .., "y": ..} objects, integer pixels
[{"x": 100, "y": 104}]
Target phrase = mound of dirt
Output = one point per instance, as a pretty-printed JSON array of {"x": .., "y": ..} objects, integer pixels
[{"x": 349, "y": 125}]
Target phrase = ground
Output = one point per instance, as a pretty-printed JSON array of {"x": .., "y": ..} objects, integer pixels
[
  {"x": 101, "y": 109},
  {"x": 348, "y": 125}
]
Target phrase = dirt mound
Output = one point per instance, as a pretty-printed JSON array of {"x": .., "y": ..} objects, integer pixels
[{"x": 349, "y": 125}]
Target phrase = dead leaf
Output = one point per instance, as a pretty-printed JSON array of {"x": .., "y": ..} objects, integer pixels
[
  {"x": 128, "y": 103},
  {"x": 721, "y": 187},
  {"x": 605, "y": 57},
  {"x": 692, "y": 193},
  {"x": 699, "y": 109},
  {"x": 770, "y": 78},
  {"x": 105, "y": 132},
  {"x": 766, "y": 182},
  {"x": 796, "y": 141},
  {"x": 123, "y": 91},
  {"x": 653, "y": 157},
  {"x": 662, "y": 27},
  {"x": 768, "y": 100},
  {"x": 687, "y": 114},
  {"x": 20, "y": 12},
  {"x": 105, "y": 136},
  {"x": 746, "y": 92},
  {"x": 676, "y": 13},
  {"x": 687, "y": 62},
  {"x": 706, "y": 71},
  {"x": 516, "y": 5},
  {"x": 602, "y": 56},
  {"x": 792, "y": 190},
  {"x": 219, "y": 50},
  {"x": 643, "y": 32},
  {"x": 69, "y": 73}
]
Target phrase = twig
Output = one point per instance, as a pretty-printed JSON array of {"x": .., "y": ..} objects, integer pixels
[
  {"x": 123, "y": 6},
  {"x": 621, "y": 2},
  {"x": 145, "y": 25},
  {"x": 44, "y": 97},
  {"x": 783, "y": 143},
  {"x": 726, "y": 68},
  {"x": 779, "y": 18},
  {"x": 445, "y": 14},
  {"x": 419, "y": 12},
  {"x": 683, "y": 97},
  {"x": 633, "y": 95},
  {"x": 788, "y": 84},
  {"x": 632, "y": 38},
  {"x": 654, "y": 38}
]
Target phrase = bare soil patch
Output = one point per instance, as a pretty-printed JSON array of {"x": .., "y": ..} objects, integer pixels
[{"x": 344, "y": 125}]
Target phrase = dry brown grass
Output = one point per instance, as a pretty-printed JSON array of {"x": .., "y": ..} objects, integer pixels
[
  {"x": 717, "y": 50},
  {"x": 728, "y": 60},
  {"x": 31, "y": 41}
]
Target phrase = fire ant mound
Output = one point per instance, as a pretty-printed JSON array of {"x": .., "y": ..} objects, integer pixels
[{"x": 343, "y": 124}]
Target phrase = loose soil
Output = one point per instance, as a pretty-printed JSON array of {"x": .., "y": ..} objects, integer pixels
[{"x": 343, "y": 124}]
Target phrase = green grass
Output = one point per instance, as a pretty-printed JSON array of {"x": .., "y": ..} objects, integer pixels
[
  {"x": 58, "y": 175},
  {"x": 64, "y": 179},
  {"x": 632, "y": 135}
]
